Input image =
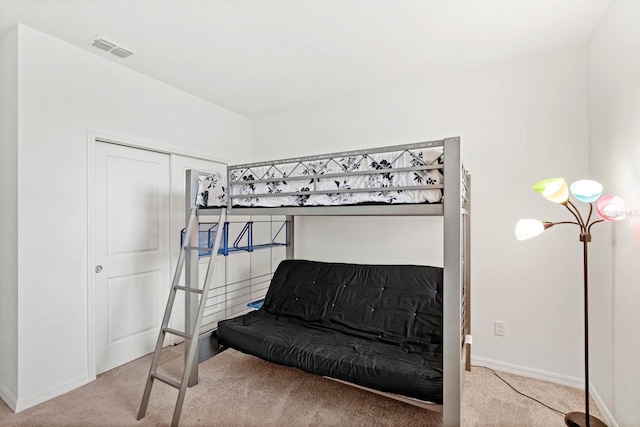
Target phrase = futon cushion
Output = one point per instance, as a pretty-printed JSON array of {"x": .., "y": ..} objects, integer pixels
[
  {"x": 400, "y": 303},
  {"x": 414, "y": 371},
  {"x": 379, "y": 326}
]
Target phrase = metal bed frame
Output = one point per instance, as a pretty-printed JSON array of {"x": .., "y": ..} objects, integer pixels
[{"x": 455, "y": 208}]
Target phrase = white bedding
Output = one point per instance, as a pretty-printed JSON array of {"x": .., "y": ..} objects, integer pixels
[
  {"x": 212, "y": 190},
  {"x": 383, "y": 185}
]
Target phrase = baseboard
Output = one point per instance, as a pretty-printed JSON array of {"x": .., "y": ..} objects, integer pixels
[
  {"x": 608, "y": 417},
  {"x": 30, "y": 401},
  {"x": 526, "y": 371},
  {"x": 552, "y": 377},
  {"x": 8, "y": 398},
  {"x": 207, "y": 348}
]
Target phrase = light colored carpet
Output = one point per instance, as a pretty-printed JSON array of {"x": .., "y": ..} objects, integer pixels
[{"x": 240, "y": 390}]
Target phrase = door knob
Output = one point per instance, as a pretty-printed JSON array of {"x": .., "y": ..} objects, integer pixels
[{"x": 98, "y": 268}]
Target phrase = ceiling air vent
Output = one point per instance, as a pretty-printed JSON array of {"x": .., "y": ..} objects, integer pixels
[
  {"x": 121, "y": 53},
  {"x": 103, "y": 44},
  {"x": 111, "y": 47}
]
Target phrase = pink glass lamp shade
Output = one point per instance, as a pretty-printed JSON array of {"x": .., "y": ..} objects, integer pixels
[
  {"x": 586, "y": 190},
  {"x": 555, "y": 190},
  {"x": 529, "y": 228},
  {"x": 611, "y": 208}
]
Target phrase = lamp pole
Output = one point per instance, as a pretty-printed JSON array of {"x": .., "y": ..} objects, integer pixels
[
  {"x": 586, "y": 238},
  {"x": 579, "y": 419}
]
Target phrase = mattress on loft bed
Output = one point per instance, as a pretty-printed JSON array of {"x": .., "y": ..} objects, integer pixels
[{"x": 340, "y": 181}]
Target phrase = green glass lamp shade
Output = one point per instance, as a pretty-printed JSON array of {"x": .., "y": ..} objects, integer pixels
[
  {"x": 611, "y": 208},
  {"x": 586, "y": 190},
  {"x": 555, "y": 190},
  {"x": 529, "y": 228}
]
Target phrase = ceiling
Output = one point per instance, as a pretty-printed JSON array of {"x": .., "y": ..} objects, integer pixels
[{"x": 260, "y": 57}]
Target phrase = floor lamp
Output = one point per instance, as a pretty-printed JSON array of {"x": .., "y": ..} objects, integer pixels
[{"x": 608, "y": 208}]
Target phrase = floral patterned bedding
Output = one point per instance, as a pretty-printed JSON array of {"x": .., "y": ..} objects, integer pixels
[
  {"x": 350, "y": 180},
  {"x": 212, "y": 190}
]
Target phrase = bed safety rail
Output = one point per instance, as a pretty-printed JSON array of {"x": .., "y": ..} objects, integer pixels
[{"x": 403, "y": 174}]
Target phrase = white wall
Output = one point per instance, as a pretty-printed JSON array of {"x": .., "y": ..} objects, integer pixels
[
  {"x": 519, "y": 121},
  {"x": 614, "y": 159},
  {"x": 8, "y": 216},
  {"x": 64, "y": 92}
]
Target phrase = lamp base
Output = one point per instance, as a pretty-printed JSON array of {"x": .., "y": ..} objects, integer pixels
[{"x": 579, "y": 419}]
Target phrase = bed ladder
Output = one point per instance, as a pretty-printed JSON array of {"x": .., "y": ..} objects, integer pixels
[{"x": 191, "y": 337}]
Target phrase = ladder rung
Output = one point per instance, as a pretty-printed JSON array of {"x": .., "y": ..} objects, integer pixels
[
  {"x": 178, "y": 333},
  {"x": 173, "y": 383},
  {"x": 186, "y": 289}
]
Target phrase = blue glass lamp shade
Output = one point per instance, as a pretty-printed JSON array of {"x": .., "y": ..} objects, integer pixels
[{"x": 586, "y": 190}]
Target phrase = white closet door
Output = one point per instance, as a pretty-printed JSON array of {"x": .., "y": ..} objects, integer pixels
[{"x": 131, "y": 251}]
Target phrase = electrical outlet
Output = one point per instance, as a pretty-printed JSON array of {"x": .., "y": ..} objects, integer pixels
[{"x": 500, "y": 328}]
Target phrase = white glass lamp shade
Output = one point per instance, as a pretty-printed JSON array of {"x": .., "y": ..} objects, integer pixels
[
  {"x": 611, "y": 208},
  {"x": 555, "y": 190},
  {"x": 529, "y": 228},
  {"x": 586, "y": 190}
]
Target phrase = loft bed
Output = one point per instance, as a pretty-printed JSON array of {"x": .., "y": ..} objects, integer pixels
[{"x": 422, "y": 179}]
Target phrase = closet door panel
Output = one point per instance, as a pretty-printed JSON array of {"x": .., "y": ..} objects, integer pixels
[
  {"x": 238, "y": 267},
  {"x": 215, "y": 306},
  {"x": 278, "y": 254},
  {"x": 238, "y": 295},
  {"x": 131, "y": 250}
]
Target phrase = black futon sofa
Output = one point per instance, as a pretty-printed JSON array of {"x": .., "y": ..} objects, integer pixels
[{"x": 378, "y": 326}]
